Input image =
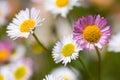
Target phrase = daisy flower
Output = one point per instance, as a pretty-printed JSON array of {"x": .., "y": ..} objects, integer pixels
[
  {"x": 114, "y": 43},
  {"x": 69, "y": 74},
  {"x": 90, "y": 31},
  {"x": 21, "y": 70},
  {"x": 17, "y": 53},
  {"x": 61, "y": 7},
  {"x": 24, "y": 23},
  {"x": 65, "y": 50},
  {"x": 51, "y": 77},
  {"x": 5, "y": 48},
  {"x": 4, "y": 73}
]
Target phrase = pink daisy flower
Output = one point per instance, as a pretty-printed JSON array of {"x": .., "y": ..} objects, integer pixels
[
  {"x": 91, "y": 31},
  {"x": 5, "y": 48}
]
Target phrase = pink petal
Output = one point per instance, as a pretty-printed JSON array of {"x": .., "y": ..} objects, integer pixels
[
  {"x": 78, "y": 29},
  {"x": 89, "y": 19},
  {"x": 103, "y": 41},
  {"x": 84, "y": 45},
  {"x": 77, "y": 36},
  {"x": 98, "y": 45},
  {"x": 91, "y": 47},
  {"x": 83, "y": 22},
  {"x": 80, "y": 41},
  {"x": 97, "y": 20},
  {"x": 103, "y": 23},
  {"x": 106, "y": 29}
]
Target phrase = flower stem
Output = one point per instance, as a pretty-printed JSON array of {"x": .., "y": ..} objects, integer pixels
[
  {"x": 99, "y": 63},
  {"x": 86, "y": 69},
  {"x": 34, "y": 35}
]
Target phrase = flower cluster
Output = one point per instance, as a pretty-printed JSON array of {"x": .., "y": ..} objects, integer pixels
[{"x": 89, "y": 32}]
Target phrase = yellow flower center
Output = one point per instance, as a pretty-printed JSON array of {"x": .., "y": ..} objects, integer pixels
[
  {"x": 68, "y": 49},
  {"x": 1, "y": 77},
  {"x": 20, "y": 73},
  {"x": 3, "y": 54},
  {"x": 62, "y": 3},
  {"x": 92, "y": 34},
  {"x": 27, "y": 25},
  {"x": 66, "y": 78}
]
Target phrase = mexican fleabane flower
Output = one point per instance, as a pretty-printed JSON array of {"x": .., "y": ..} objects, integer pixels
[
  {"x": 5, "y": 48},
  {"x": 66, "y": 73},
  {"x": 21, "y": 69},
  {"x": 5, "y": 74},
  {"x": 24, "y": 23},
  {"x": 66, "y": 50},
  {"x": 51, "y": 77},
  {"x": 61, "y": 7},
  {"x": 114, "y": 43},
  {"x": 91, "y": 31}
]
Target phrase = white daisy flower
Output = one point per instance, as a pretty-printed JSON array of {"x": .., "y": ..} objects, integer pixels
[
  {"x": 21, "y": 70},
  {"x": 61, "y": 7},
  {"x": 4, "y": 10},
  {"x": 66, "y": 73},
  {"x": 66, "y": 50},
  {"x": 114, "y": 43},
  {"x": 4, "y": 73},
  {"x": 24, "y": 23},
  {"x": 17, "y": 53},
  {"x": 51, "y": 77}
]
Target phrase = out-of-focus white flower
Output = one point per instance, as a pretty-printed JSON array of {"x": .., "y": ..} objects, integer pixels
[
  {"x": 66, "y": 50},
  {"x": 114, "y": 43},
  {"x": 66, "y": 73},
  {"x": 21, "y": 69},
  {"x": 115, "y": 16},
  {"x": 4, "y": 10},
  {"x": 61, "y": 7},
  {"x": 5, "y": 74},
  {"x": 63, "y": 27},
  {"x": 24, "y": 23},
  {"x": 17, "y": 53},
  {"x": 37, "y": 1}
]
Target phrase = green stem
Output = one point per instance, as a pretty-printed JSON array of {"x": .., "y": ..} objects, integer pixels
[
  {"x": 99, "y": 63},
  {"x": 34, "y": 35},
  {"x": 86, "y": 69}
]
